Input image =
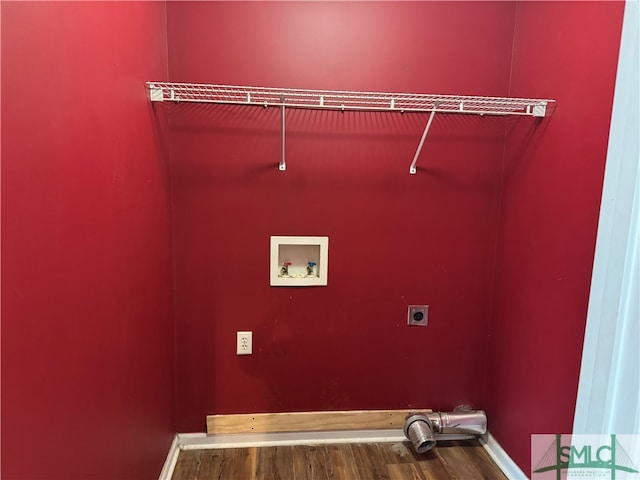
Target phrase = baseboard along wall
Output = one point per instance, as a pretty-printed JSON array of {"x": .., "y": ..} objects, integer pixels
[{"x": 312, "y": 428}]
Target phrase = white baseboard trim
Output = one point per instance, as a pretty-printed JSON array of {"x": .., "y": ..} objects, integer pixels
[
  {"x": 198, "y": 441},
  {"x": 500, "y": 457},
  {"x": 170, "y": 463},
  {"x": 201, "y": 441},
  {"x": 195, "y": 441}
]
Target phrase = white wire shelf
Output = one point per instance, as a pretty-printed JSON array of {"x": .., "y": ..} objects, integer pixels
[{"x": 346, "y": 100}]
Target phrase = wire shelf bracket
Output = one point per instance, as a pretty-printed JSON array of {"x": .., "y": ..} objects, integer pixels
[
  {"x": 283, "y": 163},
  {"x": 343, "y": 100}
]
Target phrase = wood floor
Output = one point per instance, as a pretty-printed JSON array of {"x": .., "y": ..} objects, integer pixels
[{"x": 360, "y": 461}]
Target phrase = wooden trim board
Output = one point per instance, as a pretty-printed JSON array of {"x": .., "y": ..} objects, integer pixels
[{"x": 308, "y": 421}]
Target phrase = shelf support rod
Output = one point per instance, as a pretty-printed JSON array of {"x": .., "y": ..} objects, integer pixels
[
  {"x": 283, "y": 164},
  {"x": 412, "y": 168}
]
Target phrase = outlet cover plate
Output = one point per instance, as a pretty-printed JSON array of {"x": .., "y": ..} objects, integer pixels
[
  {"x": 244, "y": 343},
  {"x": 418, "y": 315}
]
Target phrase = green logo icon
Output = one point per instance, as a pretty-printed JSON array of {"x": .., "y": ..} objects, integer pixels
[{"x": 605, "y": 456}]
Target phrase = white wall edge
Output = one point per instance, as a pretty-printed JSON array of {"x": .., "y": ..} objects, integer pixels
[
  {"x": 170, "y": 463},
  {"x": 501, "y": 458}
]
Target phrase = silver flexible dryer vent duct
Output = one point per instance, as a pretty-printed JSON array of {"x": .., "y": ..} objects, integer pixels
[{"x": 424, "y": 429}]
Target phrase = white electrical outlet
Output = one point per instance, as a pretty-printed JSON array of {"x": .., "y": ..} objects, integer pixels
[{"x": 244, "y": 343}]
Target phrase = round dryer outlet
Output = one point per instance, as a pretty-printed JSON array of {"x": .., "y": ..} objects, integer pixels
[{"x": 418, "y": 315}]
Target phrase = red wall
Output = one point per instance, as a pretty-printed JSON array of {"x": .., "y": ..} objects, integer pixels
[
  {"x": 552, "y": 186},
  {"x": 395, "y": 239},
  {"x": 86, "y": 279},
  {"x": 87, "y": 329}
]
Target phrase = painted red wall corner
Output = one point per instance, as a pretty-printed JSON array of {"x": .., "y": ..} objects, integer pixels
[
  {"x": 394, "y": 239},
  {"x": 552, "y": 187},
  {"x": 87, "y": 390}
]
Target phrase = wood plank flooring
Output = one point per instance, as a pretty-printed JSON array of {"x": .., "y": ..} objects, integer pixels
[{"x": 463, "y": 460}]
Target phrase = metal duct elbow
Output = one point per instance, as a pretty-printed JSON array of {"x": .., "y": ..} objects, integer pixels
[
  {"x": 424, "y": 429},
  {"x": 470, "y": 422},
  {"x": 419, "y": 430}
]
